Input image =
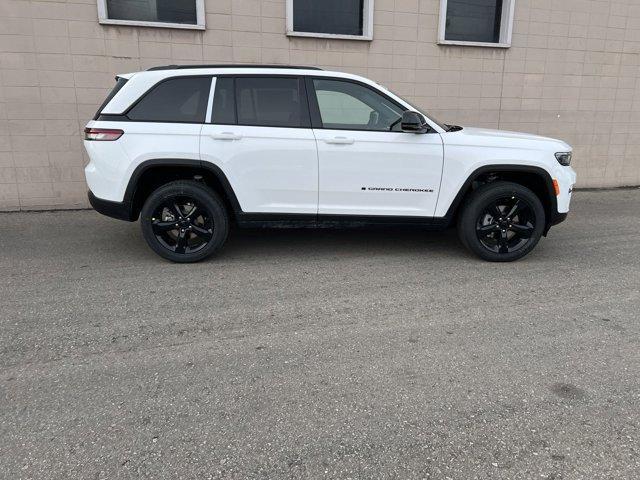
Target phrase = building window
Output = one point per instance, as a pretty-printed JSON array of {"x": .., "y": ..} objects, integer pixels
[
  {"x": 348, "y": 19},
  {"x": 153, "y": 13},
  {"x": 476, "y": 22}
]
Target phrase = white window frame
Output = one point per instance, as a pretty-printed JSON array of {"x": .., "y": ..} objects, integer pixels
[
  {"x": 104, "y": 19},
  {"x": 367, "y": 25},
  {"x": 506, "y": 27}
]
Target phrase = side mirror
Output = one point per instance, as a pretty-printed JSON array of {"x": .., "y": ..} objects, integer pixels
[{"x": 413, "y": 122}]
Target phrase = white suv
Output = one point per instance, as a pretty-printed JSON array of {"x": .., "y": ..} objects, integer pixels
[{"x": 192, "y": 149}]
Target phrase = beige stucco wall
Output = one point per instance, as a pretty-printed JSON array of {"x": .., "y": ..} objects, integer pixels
[{"x": 573, "y": 72}]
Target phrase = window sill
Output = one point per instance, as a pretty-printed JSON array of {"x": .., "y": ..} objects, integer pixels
[
  {"x": 335, "y": 36},
  {"x": 136, "y": 23},
  {"x": 474, "y": 44}
]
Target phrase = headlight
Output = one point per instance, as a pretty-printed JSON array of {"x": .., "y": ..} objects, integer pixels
[{"x": 564, "y": 158}]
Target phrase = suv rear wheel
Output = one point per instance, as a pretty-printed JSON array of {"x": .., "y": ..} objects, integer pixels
[
  {"x": 184, "y": 221},
  {"x": 501, "y": 221}
]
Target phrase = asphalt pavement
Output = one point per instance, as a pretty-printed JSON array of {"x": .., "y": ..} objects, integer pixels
[{"x": 321, "y": 354}]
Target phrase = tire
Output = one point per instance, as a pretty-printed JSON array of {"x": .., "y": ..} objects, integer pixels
[
  {"x": 184, "y": 221},
  {"x": 501, "y": 221}
]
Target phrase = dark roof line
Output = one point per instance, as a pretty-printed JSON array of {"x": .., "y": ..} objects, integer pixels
[{"x": 227, "y": 65}]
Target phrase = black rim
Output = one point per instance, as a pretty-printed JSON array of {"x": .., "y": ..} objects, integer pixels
[
  {"x": 506, "y": 225},
  {"x": 182, "y": 225}
]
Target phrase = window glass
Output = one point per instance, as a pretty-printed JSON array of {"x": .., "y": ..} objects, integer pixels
[
  {"x": 347, "y": 105},
  {"x": 473, "y": 20},
  {"x": 328, "y": 16},
  {"x": 224, "y": 108},
  {"x": 269, "y": 102},
  {"x": 169, "y": 11},
  {"x": 177, "y": 100}
]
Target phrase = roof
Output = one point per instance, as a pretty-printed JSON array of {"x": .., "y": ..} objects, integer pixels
[{"x": 227, "y": 65}]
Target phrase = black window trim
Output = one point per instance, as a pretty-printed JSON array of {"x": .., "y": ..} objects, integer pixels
[
  {"x": 302, "y": 94},
  {"x": 307, "y": 90},
  {"x": 316, "y": 119},
  {"x": 125, "y": 115}
]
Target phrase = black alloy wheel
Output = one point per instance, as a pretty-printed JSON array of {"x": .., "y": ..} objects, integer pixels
[
  {"x": 182, "y": 224},
  {"x": 184, "y": 221},
  {"x": 501, "y": 221},
  {"x": 506, "y": 225}
]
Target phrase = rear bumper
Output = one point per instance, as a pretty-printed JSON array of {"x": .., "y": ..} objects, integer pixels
[{"x": 119, "y": 210}]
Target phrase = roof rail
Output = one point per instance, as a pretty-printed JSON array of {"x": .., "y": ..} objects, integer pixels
[{"x": 229, "y": 65}]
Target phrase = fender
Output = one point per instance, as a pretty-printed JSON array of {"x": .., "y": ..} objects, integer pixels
[
  {"x": 132, "y": 186},
  {"x": 538, "y": 171}
]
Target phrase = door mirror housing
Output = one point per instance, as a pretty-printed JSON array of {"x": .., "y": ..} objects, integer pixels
[{"x": 413, "y": 122}]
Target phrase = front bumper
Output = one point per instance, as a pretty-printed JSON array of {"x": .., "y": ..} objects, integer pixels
[
  {"x": 566, "y": 178},
  {"x": 119, "y": 210},
  {"x": 559, "y": 218},
  {"x": 555, "y": 219}
]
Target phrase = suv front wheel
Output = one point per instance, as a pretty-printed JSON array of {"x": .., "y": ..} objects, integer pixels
[
  {"x": 501, "y": 221},
  {"x": 184, "y": 221}
]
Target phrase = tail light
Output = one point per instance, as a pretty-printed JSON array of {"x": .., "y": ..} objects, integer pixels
[{"x": 102, "y": 134}]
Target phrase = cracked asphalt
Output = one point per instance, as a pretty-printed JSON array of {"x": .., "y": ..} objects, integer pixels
[{"x": 321, "y": 354}]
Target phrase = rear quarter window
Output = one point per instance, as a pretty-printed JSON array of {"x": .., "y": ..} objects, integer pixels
[{"x": 176, "y": 100}]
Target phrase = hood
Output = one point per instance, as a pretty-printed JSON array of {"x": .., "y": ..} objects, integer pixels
[{"x": 487, "y": 136}]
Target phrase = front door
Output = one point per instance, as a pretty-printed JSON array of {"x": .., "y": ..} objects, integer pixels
[{"x": 367, "y": 165}]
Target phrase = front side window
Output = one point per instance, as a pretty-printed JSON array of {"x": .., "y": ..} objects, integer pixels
[
  {"x": 331, "y": 18},
  {"x": 487, "y": 22},
  {"x": 270, "y": 102},
  {"x": 179, "y": 100},
  {"x": 350, "y": 106},
  {"x": 160, "y": 13}
]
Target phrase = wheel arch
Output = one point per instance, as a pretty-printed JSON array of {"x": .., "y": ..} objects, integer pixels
[
  {"x": 151, "y": 174},
  {"x": 537, "y": 179}
]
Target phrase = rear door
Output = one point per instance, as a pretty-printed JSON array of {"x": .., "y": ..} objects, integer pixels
[
  {"x": 260, "y": 136},
  {"x": 367, "y": 165}
]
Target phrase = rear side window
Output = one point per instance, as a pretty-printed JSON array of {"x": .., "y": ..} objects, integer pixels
[
  {"x": 271, "y": 102},
  {"x": 178, "y": 100},
  {"x": 224, "y": 107},
  {"x": 119, "y": 84}
]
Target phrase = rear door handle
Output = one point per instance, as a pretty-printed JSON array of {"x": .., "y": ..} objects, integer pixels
[
  {"x": 226, "y": 136},
  {"x": 340, "y": 140}
]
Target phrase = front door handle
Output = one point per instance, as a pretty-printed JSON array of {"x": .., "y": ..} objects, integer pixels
[
  {"x": 340, "y": 140},
  {"x": 226, "y": 136}
]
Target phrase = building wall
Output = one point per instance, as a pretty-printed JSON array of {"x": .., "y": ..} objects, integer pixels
[{"x": 573, "y": 73}]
